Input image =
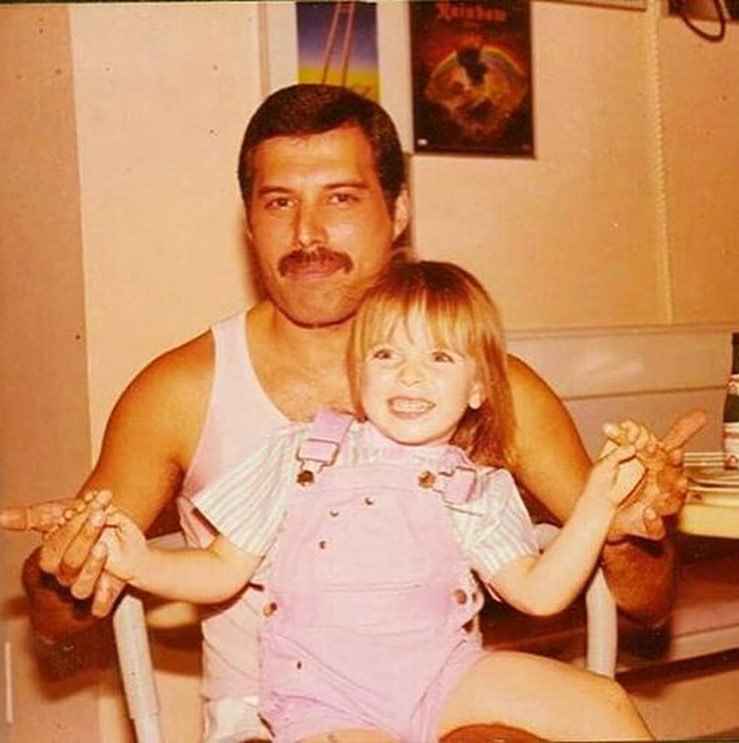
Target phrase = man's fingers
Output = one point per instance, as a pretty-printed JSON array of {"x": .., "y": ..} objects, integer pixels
[
  {"x": 36, "y": 517},
  {"x": 55, "y": 546},
  {"x": 653, "y": 524},
  {"x": 683, "y": 429},
  {"x": 86, "y": 580},
  {"x": 106, "y": 592},
  {"x": 79, "y": 548},
  {"x": 670, "y": 503},
  {"x": 14, "y": 518}
]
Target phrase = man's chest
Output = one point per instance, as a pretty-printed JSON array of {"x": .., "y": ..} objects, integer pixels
[{"x": 299, "y": 392}]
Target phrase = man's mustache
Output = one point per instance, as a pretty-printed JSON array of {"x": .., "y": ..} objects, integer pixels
[{"x": 297, "y": 259}]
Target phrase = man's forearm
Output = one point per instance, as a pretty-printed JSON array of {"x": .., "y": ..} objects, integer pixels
[{"x": 642, "y": 577}]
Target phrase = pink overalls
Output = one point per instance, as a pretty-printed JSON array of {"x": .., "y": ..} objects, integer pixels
[{"x": 368, "y": 597}]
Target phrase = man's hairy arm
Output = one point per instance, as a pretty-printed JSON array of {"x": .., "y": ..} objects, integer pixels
[
  {"x": 552, "y": 465},
  {"x": 147, "y": 443}
]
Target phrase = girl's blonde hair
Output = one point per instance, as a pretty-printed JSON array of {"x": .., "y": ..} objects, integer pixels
[{"x": 460, "y": 315}]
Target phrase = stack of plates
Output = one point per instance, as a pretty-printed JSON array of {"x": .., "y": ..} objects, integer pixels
[{"x": 709, "y": 482}]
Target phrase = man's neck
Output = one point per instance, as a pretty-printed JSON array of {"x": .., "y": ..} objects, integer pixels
[
  {"x": 301, "y": 369},
  {"x": 322, "y": 343}
]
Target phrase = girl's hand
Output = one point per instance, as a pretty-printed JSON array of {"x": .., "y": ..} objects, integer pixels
[
  {"x": 121, "y": 545},
  {"x": 661, "y": 493},
  {"x": 125, "y": 546},
  {"x": 631, "y": 451},
  {"x": 648, "y": 448},
  {"x": 616, "y": 472}
]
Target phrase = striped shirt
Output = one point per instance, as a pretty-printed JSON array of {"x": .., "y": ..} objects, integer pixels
[{"x": 248, "y": 504}]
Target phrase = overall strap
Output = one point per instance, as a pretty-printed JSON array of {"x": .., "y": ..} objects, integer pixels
[
  {"x": 456, "y": 485},
  {"x": 324, "y": 439},
  {"x": 460, "y": 486}
]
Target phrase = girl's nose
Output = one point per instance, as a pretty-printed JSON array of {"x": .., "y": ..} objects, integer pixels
[{"x": 410, "y": 372}]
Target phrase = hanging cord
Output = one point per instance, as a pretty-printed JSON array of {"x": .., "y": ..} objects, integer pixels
[{"x": 718, "y": 36}]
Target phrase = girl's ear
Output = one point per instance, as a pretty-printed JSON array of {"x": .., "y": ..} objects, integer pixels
[{"x": 476, "y": 396}]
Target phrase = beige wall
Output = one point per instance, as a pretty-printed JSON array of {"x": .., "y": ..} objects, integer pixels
[
  {"x": 44, "y": 415},
  {"x": 699, "y": 84},
  {"x": 569, "y": 238},
  {"x": 162, "y": 94},
  {"x": 122, "y": 228}
]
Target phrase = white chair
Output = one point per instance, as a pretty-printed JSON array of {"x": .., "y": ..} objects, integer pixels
[
  {"x": 601, "y": 612},
  {"x": 134, "y": 657},
  {"x": 137, "y": 673}
]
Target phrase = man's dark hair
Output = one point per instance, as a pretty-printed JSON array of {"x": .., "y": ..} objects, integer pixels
[{"x": 306, "y": 109}]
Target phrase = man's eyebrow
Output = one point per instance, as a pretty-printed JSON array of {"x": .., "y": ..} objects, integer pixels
[
  {"x": 269, "y": 189},
  {"x": 359, "y": 183},
  {"x": 263, "y": 190}
]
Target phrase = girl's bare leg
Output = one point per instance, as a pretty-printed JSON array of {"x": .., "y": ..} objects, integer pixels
[
  {"x": 550, "y": 699},
  {"x": 358, "y": 735}
]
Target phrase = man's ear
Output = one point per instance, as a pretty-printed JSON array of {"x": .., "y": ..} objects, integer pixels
[
  {"x": 402, "y": 213},
  {"x": 247, "y": 226}
]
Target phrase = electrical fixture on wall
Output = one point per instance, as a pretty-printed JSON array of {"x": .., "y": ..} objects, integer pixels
[{"x": 695, "y": 12}]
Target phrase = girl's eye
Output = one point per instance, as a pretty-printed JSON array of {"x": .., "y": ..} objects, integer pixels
[
  {"x": 444, "y": 357},
  {"x": 381, "y": 354}
]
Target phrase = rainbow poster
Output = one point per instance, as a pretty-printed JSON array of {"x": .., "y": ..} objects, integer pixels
[{"x": 471, "y": 68}]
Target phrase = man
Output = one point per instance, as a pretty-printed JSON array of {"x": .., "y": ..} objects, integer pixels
[{"x": 322, "y": 177}]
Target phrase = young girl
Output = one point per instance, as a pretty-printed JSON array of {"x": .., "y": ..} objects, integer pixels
[{"x": 373, "y": 526}]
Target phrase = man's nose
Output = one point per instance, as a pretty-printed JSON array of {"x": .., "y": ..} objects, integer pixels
[{"x": 309, "y": 232}]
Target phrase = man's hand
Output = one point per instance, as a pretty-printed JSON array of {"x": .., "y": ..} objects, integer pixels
[
  {"x": 71, "y": 550},
  {"x": 662, "y": 492}
]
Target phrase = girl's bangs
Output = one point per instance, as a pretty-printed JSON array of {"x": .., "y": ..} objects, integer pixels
[{"x": 448, "y": 322}]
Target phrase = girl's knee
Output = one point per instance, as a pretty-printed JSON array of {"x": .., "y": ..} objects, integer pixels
[
  {"x": 612, "y": 692},
  {"x": 613, "y": 698}
]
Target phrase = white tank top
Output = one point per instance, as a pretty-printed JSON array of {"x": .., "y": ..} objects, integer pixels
[{"x": 239, "y": 419}]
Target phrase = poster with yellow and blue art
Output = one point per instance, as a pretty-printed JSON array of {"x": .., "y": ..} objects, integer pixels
[{"x": 337, "y": 44}]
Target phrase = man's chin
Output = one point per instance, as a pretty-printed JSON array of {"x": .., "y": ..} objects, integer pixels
[{"x": 320, "y": 318}]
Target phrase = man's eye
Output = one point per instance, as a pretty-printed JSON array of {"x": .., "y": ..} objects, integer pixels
[
  {"x": 279, "y": 202},
  {"x": 342, "y": 197}
]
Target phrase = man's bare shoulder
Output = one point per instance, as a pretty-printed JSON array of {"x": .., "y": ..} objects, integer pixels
[
  {"x": 524, "y": 380},
  {"x": 181, "y": 370},
  {"x": 166, "y": 402},
  {"x": 537, "y": 406}
]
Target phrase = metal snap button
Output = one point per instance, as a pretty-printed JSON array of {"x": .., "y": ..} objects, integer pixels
[
  {"x": 333, "y": 512},
  {"x": 427, "y": 479},
  {"x": 305, "y": 477},
  {"x": 369, "y": 501},
  {"x": 269, "y": 609},
  {"x": 460, "y": 595}
]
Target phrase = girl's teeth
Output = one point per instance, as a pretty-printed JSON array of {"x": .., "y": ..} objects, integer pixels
[{"x": 410, "y": 406}]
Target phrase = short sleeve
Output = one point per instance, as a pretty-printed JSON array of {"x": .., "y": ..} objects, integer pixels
[
  {"x": 496, "y": 529},
  {"x": 248, "y": 503}
]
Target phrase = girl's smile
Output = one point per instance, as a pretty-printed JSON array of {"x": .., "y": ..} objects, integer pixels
[{"x": 414, "y": 390}]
